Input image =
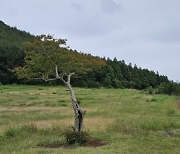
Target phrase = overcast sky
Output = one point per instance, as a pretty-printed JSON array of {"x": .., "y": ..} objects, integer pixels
[{"x": 143, "y": 32}]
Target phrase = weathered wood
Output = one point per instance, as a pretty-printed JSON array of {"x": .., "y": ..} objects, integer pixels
[{"x": 79, "y": 113}]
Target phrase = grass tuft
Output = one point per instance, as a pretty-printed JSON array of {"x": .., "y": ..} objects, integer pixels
[
  {"x": 10, "y": 133},
  {"x": 171, "y": 112}
]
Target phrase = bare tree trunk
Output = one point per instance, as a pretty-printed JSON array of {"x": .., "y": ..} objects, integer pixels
[{"x": 79, "y": 113}]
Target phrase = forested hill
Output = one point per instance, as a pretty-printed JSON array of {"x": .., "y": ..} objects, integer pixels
[
  {"x": 11, "y": 50},
  {"x": 116, "y": 74}
]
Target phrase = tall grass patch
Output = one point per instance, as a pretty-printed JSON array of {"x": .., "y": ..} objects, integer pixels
[{"x": 143, "y": 125}]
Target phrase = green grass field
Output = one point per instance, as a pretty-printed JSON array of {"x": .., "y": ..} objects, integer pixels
[{"x": 130, "y": 121}]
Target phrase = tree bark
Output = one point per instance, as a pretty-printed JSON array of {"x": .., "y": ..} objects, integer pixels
[{"x": 79, "y": 113}]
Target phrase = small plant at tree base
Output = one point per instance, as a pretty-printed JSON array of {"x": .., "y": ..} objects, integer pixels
[{"x": 76, "y": 138}]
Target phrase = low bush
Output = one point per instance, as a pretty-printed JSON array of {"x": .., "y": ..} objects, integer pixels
[{"x": 75, "y": 138}]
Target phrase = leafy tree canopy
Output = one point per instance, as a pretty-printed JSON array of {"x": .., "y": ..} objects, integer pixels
[{"x": 46, "y": 58}]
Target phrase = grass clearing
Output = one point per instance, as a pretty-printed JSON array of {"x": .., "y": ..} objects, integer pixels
[{"x": 130, "y": 121}]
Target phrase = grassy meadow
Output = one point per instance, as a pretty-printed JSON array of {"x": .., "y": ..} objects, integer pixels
[{"x": 129, "y": 121}]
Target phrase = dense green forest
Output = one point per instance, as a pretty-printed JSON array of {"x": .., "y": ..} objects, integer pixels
[
  {"x": 11, "y": 51},
  {"x": 115, "y": 74}
]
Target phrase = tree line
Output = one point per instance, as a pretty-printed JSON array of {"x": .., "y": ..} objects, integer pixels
[{"x": 115, "y": 74}]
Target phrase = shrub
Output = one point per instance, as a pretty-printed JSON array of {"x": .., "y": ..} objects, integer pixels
[
  {"x": 153, "y": 100},
  {"x": 78, "y": 138},
  {"x": 170, "y": 88},
  {"x": 150, "y": 90}
]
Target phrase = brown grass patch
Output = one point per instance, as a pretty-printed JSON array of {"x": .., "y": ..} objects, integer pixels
[
  {"x": 33, "y": 108},
  {"x": 42, "y": 108},
  {"x": 53, "y": 123},
  {"x": 178, "y": 104},
  {"x": 98, "y": 124}
]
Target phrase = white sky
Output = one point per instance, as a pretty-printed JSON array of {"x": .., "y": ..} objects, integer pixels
[{"x": 143, "y": 32}]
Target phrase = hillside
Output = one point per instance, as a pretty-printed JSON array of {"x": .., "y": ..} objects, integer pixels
[
  {"x": 116, "y": 73},
  {"x": 11, "y": 50}
]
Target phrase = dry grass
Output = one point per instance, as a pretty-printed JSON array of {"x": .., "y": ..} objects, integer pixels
[
  {"x": 35, "y": 108},
  {"x": 93, "y": 124},
  {"x": 98, "y": 123},
  {"x": 129, "y": 120},
  {"x": 178, "y": 104}
]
